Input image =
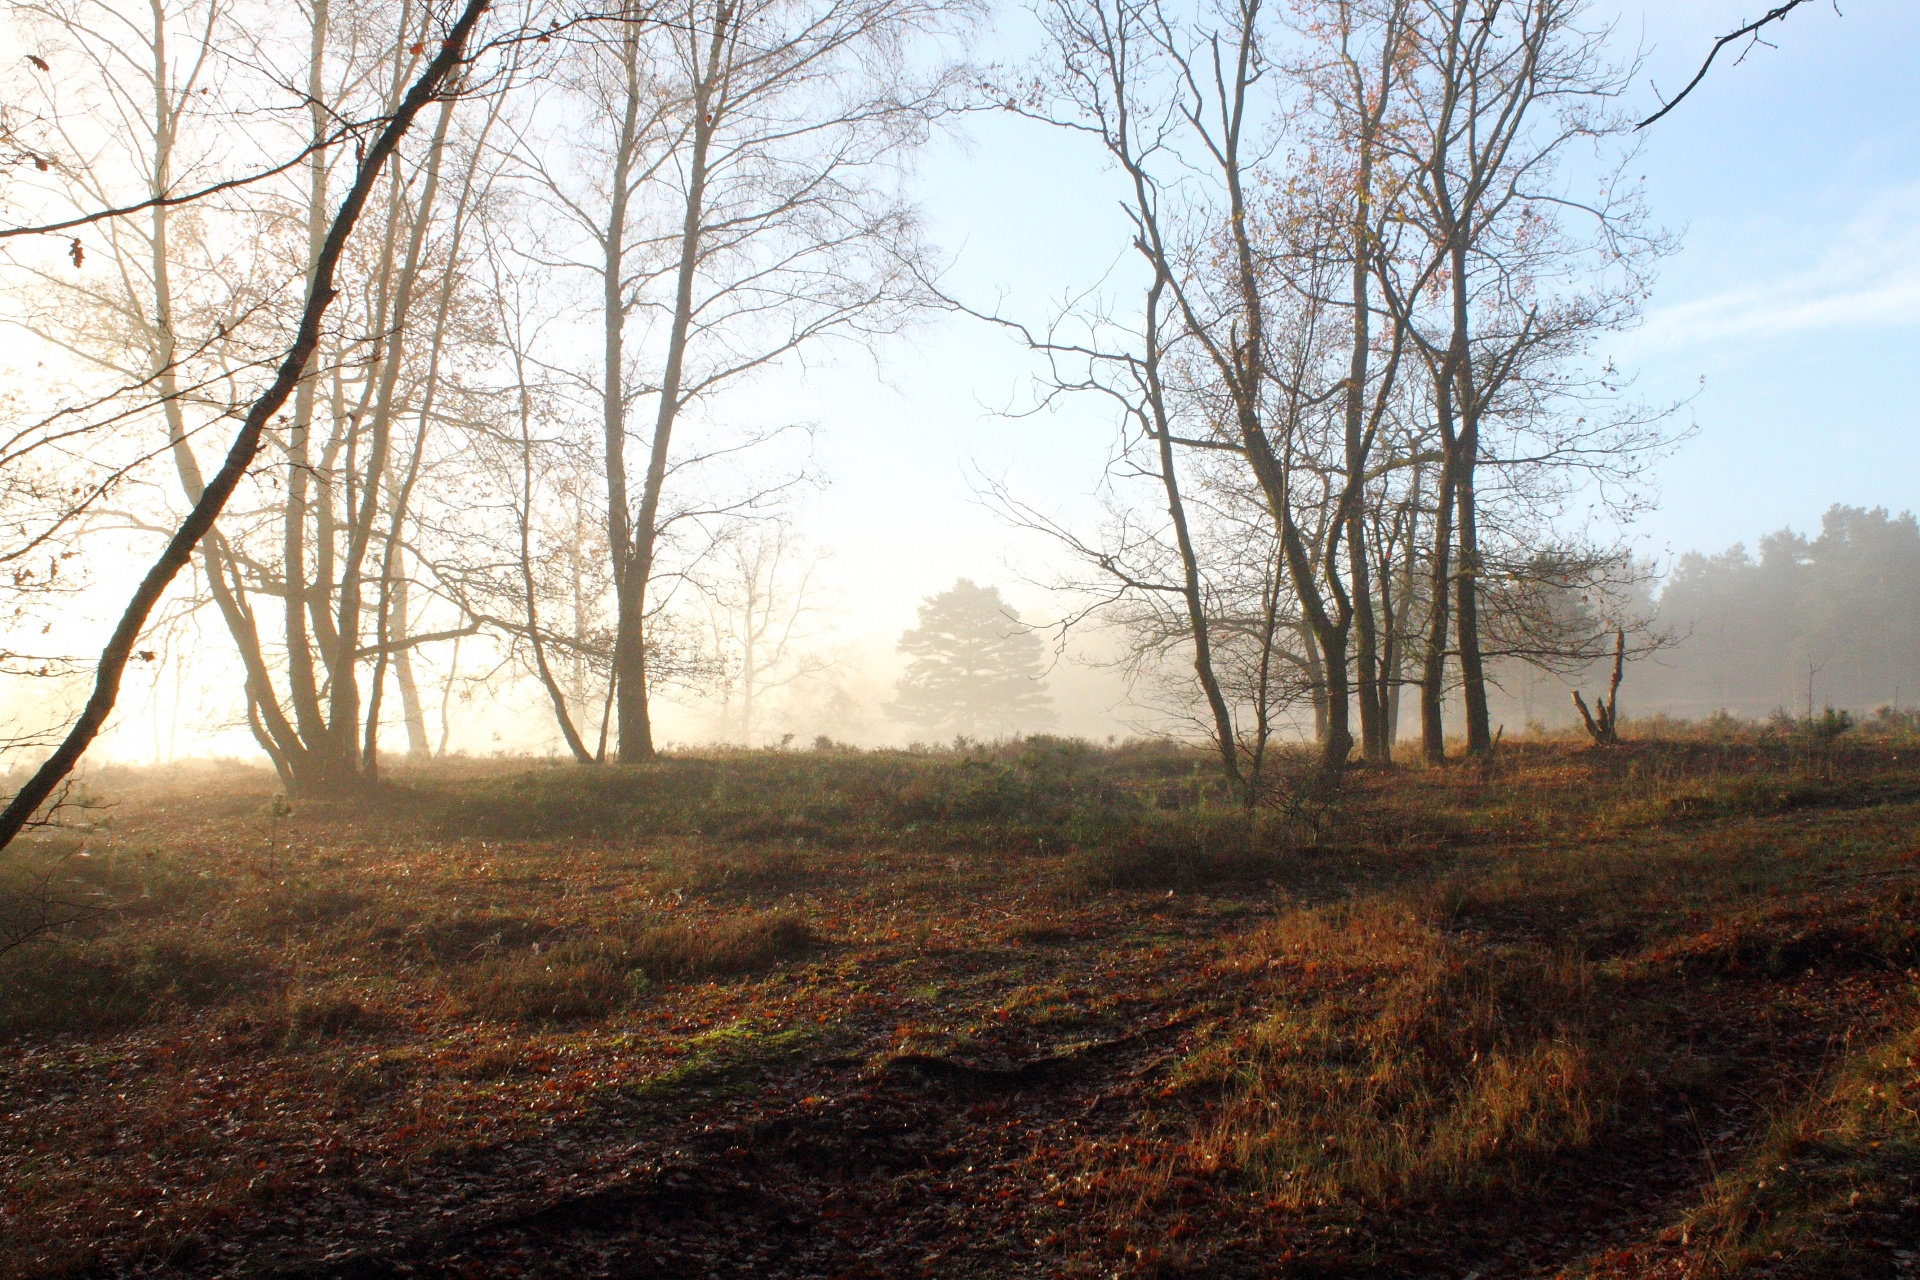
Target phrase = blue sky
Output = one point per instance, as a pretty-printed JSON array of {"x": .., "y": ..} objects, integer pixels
[{"x": 1795, "y": 177}]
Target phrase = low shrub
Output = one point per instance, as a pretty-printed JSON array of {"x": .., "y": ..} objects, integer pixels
[
  {"x": 564, "y": 983},
  {"x": 456, "y": 936},
  {"x": 719, "y": 949},
  {"x": 329, "y": 1015}
]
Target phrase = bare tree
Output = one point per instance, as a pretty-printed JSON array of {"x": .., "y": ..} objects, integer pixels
[
  {"x": 764, "y": 616},
  {"x": 739, "y": 206},
  {"x": 1151, "y": 582},
  {"x": 425, "y": 89},
  {"x": 1499, "y": 94}
]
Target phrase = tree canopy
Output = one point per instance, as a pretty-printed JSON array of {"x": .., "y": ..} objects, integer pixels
[{"x": 974, "y": 668}]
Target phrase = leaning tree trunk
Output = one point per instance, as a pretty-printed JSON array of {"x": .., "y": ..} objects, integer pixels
[{"x": 1192, "y": 593}]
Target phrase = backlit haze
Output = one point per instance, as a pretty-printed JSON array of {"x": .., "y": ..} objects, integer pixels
[{"x": 1787, "y": 324}]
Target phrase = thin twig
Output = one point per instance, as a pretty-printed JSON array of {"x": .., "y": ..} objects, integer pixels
[{"x": 1751, "y": 29}]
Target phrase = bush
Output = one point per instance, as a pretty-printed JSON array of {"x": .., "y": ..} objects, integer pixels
[{"x": 1821, "y": 731}]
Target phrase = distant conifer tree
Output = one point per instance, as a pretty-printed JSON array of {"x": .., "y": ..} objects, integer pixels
[{"x": 974, "y": 668}]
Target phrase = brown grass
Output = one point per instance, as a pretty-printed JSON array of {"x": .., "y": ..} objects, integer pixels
[
  {"x": 1657, "y": 996},
  {"x": 1419, "y": 1066},
  {"x": 1825, "y": 1178}
]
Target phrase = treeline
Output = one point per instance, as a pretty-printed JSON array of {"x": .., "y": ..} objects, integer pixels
[
  {"x": 1806, "y": 623},
  {"x": 1803, "y": 624}
]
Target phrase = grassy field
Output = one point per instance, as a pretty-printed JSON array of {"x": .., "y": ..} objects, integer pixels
[{"x": 1031, "y": 1010}]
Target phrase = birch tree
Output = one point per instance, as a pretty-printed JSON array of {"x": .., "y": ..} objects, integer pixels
[
  {"x": 1516, "y": 277},
  {"x": 738, "y": 198}
]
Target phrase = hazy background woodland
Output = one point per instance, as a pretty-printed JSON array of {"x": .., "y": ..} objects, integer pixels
[{"x": 774, "y": 372}]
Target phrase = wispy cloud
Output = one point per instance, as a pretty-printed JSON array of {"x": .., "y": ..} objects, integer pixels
[{"x": 1867, "y": 277}]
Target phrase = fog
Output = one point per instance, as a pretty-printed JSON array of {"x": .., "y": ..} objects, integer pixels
[{"x": 636, "y": 427}]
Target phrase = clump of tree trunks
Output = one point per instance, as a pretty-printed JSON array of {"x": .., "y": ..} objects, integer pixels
[{"x": 1603, "y": 722}]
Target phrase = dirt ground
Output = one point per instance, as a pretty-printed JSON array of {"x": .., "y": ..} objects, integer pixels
[{"x": 1649, "y": 1012}]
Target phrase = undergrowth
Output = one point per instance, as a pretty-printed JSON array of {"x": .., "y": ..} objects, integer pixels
[
  {"x": 1827, "y": 1178},
  {"x": 591, "y": 977},
  {"x": 1454, "y": 987},
  {"x": 1036, "y": 794}
]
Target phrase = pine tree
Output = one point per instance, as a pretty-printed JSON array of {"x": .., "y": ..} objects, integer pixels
[{"x": 974, "y": 668}]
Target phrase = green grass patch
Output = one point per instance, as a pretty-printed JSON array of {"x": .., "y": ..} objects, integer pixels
[{"x": 1036, "y": 794}]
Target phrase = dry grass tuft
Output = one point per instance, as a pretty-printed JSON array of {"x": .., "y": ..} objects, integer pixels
[
  {"x": 589, "y": 978},
  {"x": 1417, "y": 1067},
  {"x": 1186, "y": 852},
  {"x": 745, "y": 870},
  {"x": 68, "y": 986},
  {"x": 1046, "y": 930},
  {"x": 722, "y": 948},
  {"x": 564, "y": 983}
]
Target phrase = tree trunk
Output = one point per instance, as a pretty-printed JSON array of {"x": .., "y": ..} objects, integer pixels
[
  {"x": 1396, "y": 608},
  {"x": 1316, "y": 681},
  {"x": 1374, "y": 747},
  {"x": 412, "y": 711},
  {"x": 1433, "y": 736},
  {"x": 1466, "y": 455},
  {"x": 390, "y": 351},
  {"x": 1226, "y": 741},
  {"x": 270, "y": 728},
  {"x": 1473, "y": 675},
  {"x": 302, "y": 684},
  {"x": 613, "y": 400},
  {"x": 630, "y": 646}
]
